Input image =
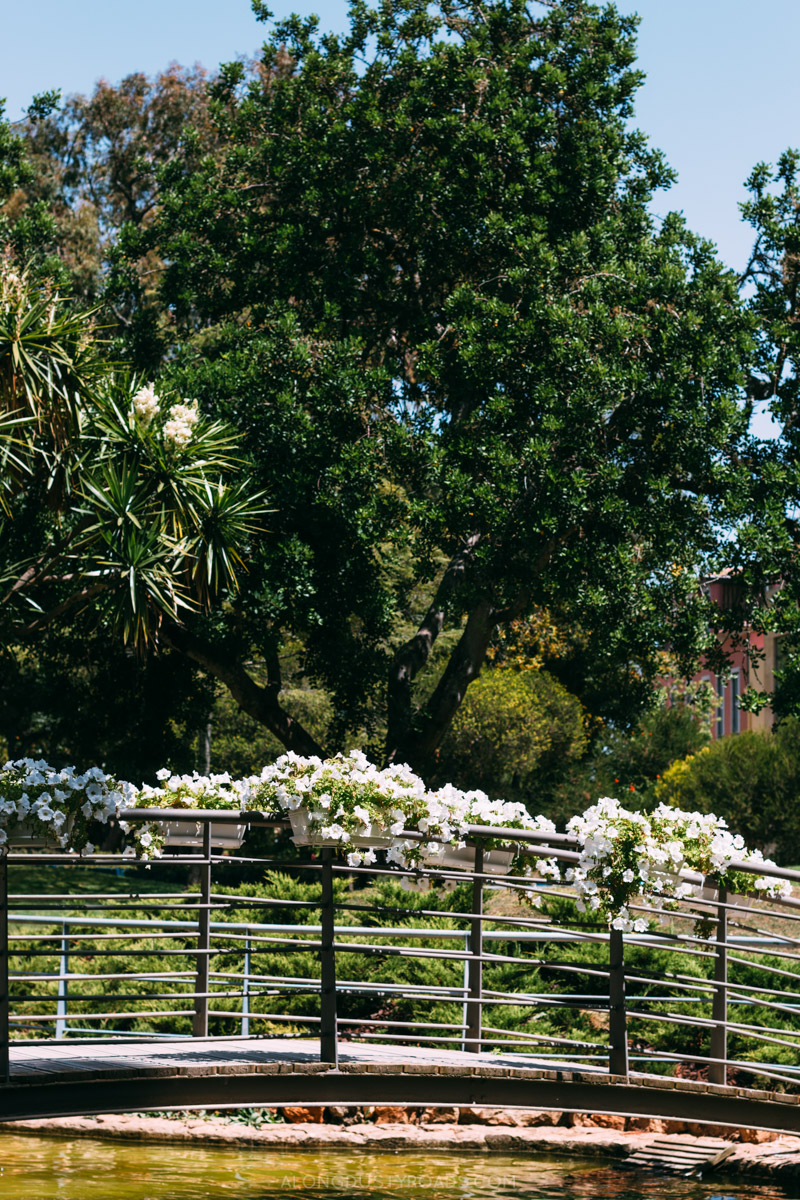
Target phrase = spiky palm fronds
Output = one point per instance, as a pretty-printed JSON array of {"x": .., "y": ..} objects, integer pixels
[
  {"x": 163, "y": 523},
  {"x": 48, "y": 365}
]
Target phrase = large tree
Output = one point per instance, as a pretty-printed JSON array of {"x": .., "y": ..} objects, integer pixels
[
  {"x": 420, "y": 271},
  {"x": 416, "y": 266}
]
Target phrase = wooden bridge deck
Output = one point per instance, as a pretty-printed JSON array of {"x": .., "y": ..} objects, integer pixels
[{"x": 73, "y": 1078}]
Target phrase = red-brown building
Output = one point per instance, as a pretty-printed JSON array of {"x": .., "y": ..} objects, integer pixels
[{"x": 759, "y": 673}]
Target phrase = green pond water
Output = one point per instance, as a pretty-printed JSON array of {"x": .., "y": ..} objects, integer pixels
[{"x": 34, "y": 1168}]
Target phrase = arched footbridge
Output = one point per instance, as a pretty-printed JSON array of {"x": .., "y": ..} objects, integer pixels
[{"x": 317, "y": 983}]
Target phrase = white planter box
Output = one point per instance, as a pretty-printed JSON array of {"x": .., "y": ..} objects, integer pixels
[
  {"x": 495, "y": 862},
  {"x": 303, "y": 835},
  {"x": 190, "y": 833},
  {"x": 28, "y": 835},
  {"x": 711, "y": 894},
  {"x": 672, "y": 878}
]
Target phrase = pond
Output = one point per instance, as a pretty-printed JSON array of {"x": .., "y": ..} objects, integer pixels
[{"x": 33, "y": 1168}]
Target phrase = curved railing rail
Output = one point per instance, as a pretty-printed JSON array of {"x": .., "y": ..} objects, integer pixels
[{"x": 507, "y": 964}]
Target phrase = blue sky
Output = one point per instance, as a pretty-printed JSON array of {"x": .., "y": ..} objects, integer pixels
[{"x": 722, "y": 89}]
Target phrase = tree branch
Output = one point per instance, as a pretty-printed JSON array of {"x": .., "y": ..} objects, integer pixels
[
  {"x": 260, "y": 703},
  {"x": 418, "y": 745},
  {"x": 74, "y": 601},
  {"x": 412, "y": 656}
]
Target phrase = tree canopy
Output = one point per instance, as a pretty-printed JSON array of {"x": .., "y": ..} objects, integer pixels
[
  {"x": 415, "y": 267},
  {"x": 439, "y": 224}
]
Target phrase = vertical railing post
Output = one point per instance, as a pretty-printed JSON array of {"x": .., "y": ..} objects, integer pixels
[
  {"x": 465, "y": 1004},
  {"x": 717, "y": 1071},
  {"x": 63, "y": 971},
  {"x": 475, "y": 961},
  {"x": 328, "y": 1037},
  {"x": 5, "y": 1067},
  {"x": 617, "y": 1015},
  {"x": 246, "y": 988},
  {"x": 200, "y": 1018}
]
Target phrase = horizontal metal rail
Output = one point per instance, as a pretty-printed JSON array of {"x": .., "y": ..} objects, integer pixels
[{"x": 497, "y": 982}]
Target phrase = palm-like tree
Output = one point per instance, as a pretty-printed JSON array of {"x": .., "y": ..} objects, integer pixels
[{"x": 135, "y": 508}]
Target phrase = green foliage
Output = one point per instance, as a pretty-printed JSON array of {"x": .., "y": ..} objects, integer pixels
[
  {"x": 765, "y": 552},
  {"x": 48, "y": 362},
  {"x": 635, "y": 761},
  {"x": 80, "y": 696},
  {"x": 626, "y": 763},
  {"x": 322, "y": 587},
  {"x": 494, "y": 359},
  {"x": 93, "y": 164},
  {"x": 750, "y": 779},
  {"x": 143, "y": 513},
  {"x": 512, "y": 728},
  {"x": 242, "y": 746}
]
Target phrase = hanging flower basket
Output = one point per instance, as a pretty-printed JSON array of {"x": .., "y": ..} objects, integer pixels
[
  {"x": 303, "y": 833},
  {"x": 190, "y": 833},
  {"x": 633, "y": 858},
  {"x": 31, "y": 835},
  {"x": 462, "y": 858},
  {"x": 343, "y": 802},
  {"x": 44, "y": 808},
  {"x": 218, "y": 792}
]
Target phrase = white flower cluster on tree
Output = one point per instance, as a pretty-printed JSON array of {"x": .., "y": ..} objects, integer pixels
[
  {"x": 178, "y": 428},
  {"x": 182, "y": 416},
  {"x": 146, "y": 405}
]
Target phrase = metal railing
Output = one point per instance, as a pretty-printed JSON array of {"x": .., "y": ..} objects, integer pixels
[{"x": 712, "y": 988}]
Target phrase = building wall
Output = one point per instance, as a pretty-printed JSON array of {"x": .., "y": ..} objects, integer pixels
[{"x": 744, "y": 674}]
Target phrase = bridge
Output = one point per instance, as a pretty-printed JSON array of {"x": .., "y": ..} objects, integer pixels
[{"x": 495, "y": 993}]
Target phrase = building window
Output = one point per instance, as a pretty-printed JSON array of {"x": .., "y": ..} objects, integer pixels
[
  {"x": 720, "y": 707},
  {"x": 735, "y": 724}
]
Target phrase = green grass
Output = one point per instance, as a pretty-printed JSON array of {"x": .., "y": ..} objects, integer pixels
[{"x": 80, "y": 879}]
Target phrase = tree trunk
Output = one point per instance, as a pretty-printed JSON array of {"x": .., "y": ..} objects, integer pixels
[
  {"x": 413, "y": 655},
  {"x": 424, "y": 735},
  {"x": 261, "y": 703}
]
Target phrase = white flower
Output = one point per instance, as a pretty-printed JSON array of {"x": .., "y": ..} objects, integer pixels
[
  {"x": 146, "y": 404},
  {"x": 182, "y": 419}
]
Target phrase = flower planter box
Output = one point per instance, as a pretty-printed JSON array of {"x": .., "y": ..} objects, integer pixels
[
  {"x": 303, "y": 835},
  {"x": 190, "y": 833},
  {"x": 495, "y": 862},
  {"x": 673, "y": 878},
  {"x": 28, "y": 835},
  {"x": 711, "y": 895}
]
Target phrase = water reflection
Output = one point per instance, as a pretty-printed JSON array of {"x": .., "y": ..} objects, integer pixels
[{"x": 82, "y": 1169}]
